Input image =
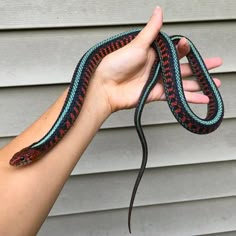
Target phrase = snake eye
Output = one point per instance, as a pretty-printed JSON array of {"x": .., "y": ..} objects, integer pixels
[{"x": 22, "y": 158}]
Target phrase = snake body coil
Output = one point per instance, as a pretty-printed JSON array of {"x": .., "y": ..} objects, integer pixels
[{"x": 166, "y": 68}]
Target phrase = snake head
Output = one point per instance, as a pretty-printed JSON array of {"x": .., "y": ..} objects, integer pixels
[{"x": 25, "y": 156}]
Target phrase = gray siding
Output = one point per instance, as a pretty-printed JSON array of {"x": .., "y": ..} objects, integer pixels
[
  {"x": 189, "y": 187},
  {"x": 51, "y": 55},
  {"x": 182, "y": 219},
  {"x": 58, "y": 13}
]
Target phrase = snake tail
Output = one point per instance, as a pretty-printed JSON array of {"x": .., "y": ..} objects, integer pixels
[{"x": 154, "y": 77}]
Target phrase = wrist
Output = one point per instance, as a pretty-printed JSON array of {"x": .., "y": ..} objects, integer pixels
[
  {"x": 96, "y": 100},
  {"x": 94, "y": 112}
]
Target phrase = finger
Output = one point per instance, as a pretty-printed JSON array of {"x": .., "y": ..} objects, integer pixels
[
  {"x": 193, "y": 85},
  {"x": 196, "y": 98},
  {"x": 210, "y": 63},
  {"x": 151, "y": 30},
  {"x": 190, "y": 89},
  {"x": 183, "y": 48},
  {"x": 191, "y": 97}
]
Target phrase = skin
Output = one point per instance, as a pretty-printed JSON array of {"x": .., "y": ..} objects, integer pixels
[{"x": 28, "y": 193}]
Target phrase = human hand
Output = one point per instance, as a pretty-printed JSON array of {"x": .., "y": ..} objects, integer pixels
[{"x": 124, "y": 72}]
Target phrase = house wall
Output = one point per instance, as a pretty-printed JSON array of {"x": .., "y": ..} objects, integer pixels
[{"x": 189, "y": 186}]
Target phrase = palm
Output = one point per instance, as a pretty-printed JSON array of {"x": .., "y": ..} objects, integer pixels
[{"x": 124, "y": 73}]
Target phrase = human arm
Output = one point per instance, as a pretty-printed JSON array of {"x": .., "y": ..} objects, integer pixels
[{"x": 28, "y": 193}]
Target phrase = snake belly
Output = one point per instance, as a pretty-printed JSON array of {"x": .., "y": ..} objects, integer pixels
[{"x": 165, "y": 68}]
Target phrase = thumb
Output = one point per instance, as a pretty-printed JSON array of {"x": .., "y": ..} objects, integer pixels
[{"x": 149, "y": 33}]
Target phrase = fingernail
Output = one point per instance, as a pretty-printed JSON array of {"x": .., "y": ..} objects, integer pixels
[{"x": 156, "y": 10}]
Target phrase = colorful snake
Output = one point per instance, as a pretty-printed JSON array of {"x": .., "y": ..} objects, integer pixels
[{"x": 166, "y": 67}]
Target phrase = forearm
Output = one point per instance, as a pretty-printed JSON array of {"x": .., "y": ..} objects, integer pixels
[{"x": 28, "y": 193}]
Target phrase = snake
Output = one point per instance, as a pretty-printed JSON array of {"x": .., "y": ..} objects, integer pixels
[{"x": 165, "y": 69}]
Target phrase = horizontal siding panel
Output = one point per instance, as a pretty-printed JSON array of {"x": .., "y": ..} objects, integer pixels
[
  {"x": 21, "y": 106},
  {"x": 16, "y": 102},
  {"x": 231, "y": 233},
  {"x": 50, "y": 56},
  {"x": 119, "y": 149},
  {"x": 97, "y": 192},
  {"x": 42, "y": 13},
  {"x": 177, "y": 219}
]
